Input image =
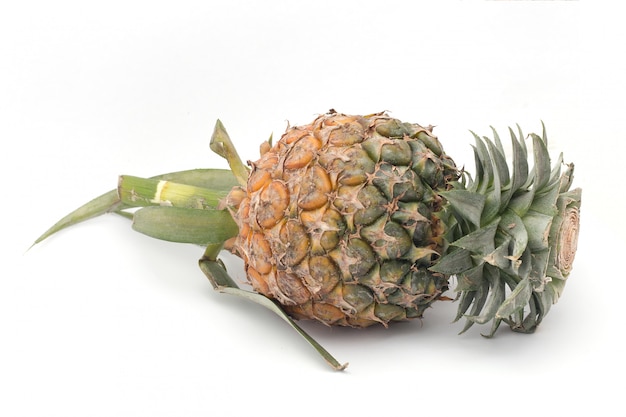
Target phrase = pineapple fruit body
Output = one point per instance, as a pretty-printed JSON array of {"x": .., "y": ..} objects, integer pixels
[{"x": 339, "y": 220}]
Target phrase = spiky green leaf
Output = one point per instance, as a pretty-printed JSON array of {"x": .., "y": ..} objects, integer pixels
[
  {"x": 542, "y": 168},
  {"x": 466, "y": 204},
  {"x": 481, "y": 241},
  {"x": 454, "y": 262},
  {"x": 495, "y": 299},
  {"x": 511, "y": 225},
  {"x": 520, "y": 164},
  {"x": 516, "y": 301}
]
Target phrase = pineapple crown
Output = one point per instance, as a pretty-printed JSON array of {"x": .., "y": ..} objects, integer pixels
[{"x": 512, "y": 233}]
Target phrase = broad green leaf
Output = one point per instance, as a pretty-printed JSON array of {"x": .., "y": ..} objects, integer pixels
[
  {"x": 135, "y": 191},
  {"x": 222, "y": 282},
  {"x": 217, "y": 179},
  {"x": 183, "y": 225},
  {"x": 105, "y": 203},
  {"x": 213, "y": 179}
]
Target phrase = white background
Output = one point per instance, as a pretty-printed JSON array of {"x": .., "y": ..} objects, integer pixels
[{"x": 102, "y": 321}]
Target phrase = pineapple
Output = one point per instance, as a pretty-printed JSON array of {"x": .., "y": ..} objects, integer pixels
[
  {"x": 338, "y": 220},
  {"x": 362, "y": 220},
  {"x": 513, "y": 234}
]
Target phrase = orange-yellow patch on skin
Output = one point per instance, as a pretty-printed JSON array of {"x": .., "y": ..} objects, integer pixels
[
  {"x": 244, "y": 214},
  {"x": 258, "y": 282},
  {"x": 327, "y": 313},
  {"x": 268, "y": 162},
  {"x": 314, "y": 189},
  {"x": 302, "y": 152},
  {"x": 260, "y": 253},
  {"x": 274, "y": 200},
  {"x": 293, "y": 135},
  {"x": 257, "y": 179}
]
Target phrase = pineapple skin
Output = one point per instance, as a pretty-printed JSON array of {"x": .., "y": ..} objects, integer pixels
[{"x": 339, "y": 220}]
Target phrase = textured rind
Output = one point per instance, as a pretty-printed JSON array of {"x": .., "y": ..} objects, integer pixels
[{"x": 338, "y": 222}]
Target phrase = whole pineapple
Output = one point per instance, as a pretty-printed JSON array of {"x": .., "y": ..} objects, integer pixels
[
  {"x": 338, "y": 220},
  {"x": 358, "y": 220}
]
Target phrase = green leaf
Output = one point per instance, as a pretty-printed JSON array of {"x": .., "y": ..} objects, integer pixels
[
  {"x": 466, "y": 299},
  {"x": 471, "y": 279},
  {"x": 567, "y": 178},
  {"x": 538, "y": 228},
  {"x": 466, "y": 205},
  {"x": 537, "y": 277},
  {"x": 500, "y": 256},
  {"x": 183, "y": 225},
  {"x": 541, "y": 163},
  {"x": 545, "y": 201},
  {"x": 213, "y": 179},
  {"x": 498, "y": 142},
  {"x": 486, "y": 166},
  {"x": 499, "y": 161},
  {"x": 479, "y": 301},
  {"x": 516, "y": 301},
  {"x": 521, "y": 202},
  {"x": 224, "y": 147},
  {"x": 105, "y": 203},
  {"x": 495, "y": 300},
  {"x": 216, "y": 179},
  {"x": 453, "y": 262},
  {"x": 512, "y": 225},
  {"x": 544, "y": 133},
  {"x": 481, "y": 241},
  {"x": 222, "y": 282},
  {"x": 520, "y": 164},
  {"x": 135, "y": 191}
]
